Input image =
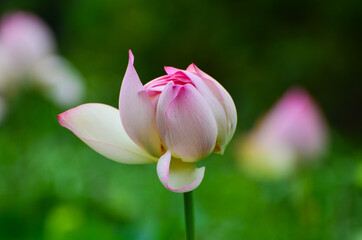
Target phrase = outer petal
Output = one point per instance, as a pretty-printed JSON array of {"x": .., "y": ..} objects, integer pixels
[
  {"x": 138, "y": 113},
  {"x": 178, "y": 176},
  {"x": 185, "y": 122},
  {"x": 100, "y": 127},
  {"x": 220, "y": 101}
]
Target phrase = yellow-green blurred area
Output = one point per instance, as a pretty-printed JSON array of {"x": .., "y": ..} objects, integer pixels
[{"x": 54, "y": 187}]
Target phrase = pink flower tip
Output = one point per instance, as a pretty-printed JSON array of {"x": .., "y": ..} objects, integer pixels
[
  {"x": 131, "y": 57},
  {"x": 61, "y": 119}
]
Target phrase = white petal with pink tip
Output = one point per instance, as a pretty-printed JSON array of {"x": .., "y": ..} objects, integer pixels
[{"x": 100, "y": 127}]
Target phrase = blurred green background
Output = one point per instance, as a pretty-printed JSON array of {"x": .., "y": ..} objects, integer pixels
[{"x": 54, "y": 187}]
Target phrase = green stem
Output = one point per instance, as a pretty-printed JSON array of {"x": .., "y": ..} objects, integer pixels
[{"x": 189, "y": 216}]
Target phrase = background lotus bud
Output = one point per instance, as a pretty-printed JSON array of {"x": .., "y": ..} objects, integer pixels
[
  {"x": 25, "y": 37},
  {"x": 27, "y": 52},
  {"x": 293, "y": 129},
  {"x": 178, "y": 118}
]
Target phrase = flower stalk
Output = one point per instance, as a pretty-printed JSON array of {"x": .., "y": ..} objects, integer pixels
[{"x": 189, "y": 216}]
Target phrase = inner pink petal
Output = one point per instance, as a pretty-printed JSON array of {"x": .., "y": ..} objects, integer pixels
[{"x": 156, "y": 86}]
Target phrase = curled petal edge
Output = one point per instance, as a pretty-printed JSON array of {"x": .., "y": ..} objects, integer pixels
[{"x": 176, "y": 176}]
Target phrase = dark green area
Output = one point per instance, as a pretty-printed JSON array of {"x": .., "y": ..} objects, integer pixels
[{"x": 52, "y": 186}]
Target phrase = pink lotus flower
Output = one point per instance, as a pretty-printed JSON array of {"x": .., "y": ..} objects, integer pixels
[
  {"x": 294, "y": 129},
  {"x": 174, "y": 121}
]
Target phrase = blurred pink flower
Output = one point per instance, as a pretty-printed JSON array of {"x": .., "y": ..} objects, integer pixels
[
  {"x": 25, "y": 38},
  {"x": 27, "y": 52},
  {"x": 174, "y": 120},
  {"x": 293, "y": 129}
]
